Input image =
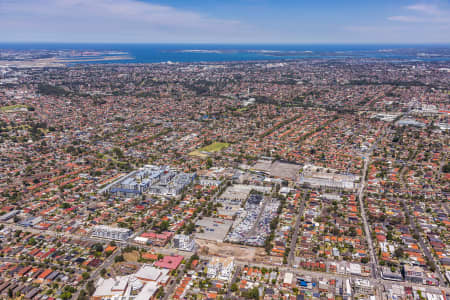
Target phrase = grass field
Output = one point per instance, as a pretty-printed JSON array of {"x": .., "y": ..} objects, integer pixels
[
  {"x": 131, "y": 256},
  {"x": 12, "y": 107},
  {"x": 214, "y": 147}
]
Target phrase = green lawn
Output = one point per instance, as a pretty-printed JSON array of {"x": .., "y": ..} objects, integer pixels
[
  {"x": 12, "y": 107},
  {"x": 214, "y": 147}
]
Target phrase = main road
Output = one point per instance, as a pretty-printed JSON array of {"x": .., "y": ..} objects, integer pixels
[
  {"x": 412, "y": 224},
  {"x": 96, "y": 274},
  {"x": 376, "y": 282},
  {"x": 373, "y": 259},
  {"x": 85, "y": 238}
]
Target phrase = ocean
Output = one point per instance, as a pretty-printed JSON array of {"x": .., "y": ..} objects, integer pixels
[{"x": 177, "y": 53}]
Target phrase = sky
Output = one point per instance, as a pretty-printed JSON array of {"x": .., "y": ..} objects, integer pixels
[{"x": 226, "y": 21}]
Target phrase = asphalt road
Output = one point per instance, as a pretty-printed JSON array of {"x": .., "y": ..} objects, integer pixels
[
  {"x": 170, "y": 289},
  {"x": 294, "y": 237},
  {"x": 373, "y": 259},
  {"x": 425, "y": 249},
  {"x": 96, "y": 274},
  {"x": 413, "y": 226},
  {"x": 374, "y": 281},
  {"x": 233, "y": 280}
]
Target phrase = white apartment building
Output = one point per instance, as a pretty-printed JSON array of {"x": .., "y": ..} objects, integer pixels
[
  {"x": 183, "y": 242},
  {"x": 221, "y": 268},
  {"x": 113, "y": 233}
]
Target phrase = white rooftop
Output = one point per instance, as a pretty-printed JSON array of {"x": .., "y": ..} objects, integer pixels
[
  {"x": 111, "y": 286},
  {"x": 150, "y": 273},
  {"x": 147, "y": 291}
]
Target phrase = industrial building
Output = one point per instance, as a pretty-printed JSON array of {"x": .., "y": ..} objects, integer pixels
[{"x": 327, "y": 178}]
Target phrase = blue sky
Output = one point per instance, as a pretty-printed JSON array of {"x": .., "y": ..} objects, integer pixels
[{"x": 226, "y": 21}]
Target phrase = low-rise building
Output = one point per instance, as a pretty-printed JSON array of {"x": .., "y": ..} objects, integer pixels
[
  {"x": 113, "y": 233},
  {"x": 414, "y": 274},
  {"x": 387, "y": 273},
  {"x": 363, "y": 287},
  {"x": 143, "y": 285}
]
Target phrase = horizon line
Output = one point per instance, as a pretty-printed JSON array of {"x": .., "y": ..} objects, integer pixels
[{"x": 231, "y": 43}]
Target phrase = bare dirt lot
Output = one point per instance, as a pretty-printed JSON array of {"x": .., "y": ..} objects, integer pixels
[
  {"x": 243, "y": 253},
  {"x": 131, "y": 256}
]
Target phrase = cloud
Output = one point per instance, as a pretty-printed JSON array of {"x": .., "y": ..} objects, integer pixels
[
  {"x": 428, "y": 9},
  {"x": 418, "y": 23},
  {"x": 104, "y": 20},
  {"x": 423, "y": 13},
  {"x": 409, "y": 19}
]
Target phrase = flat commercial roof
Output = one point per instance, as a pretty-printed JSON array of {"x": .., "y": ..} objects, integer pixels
[
  {"x": 214, "y": 229},
  {"x": 170, "y": 262},
  {"x": 150, "y": 273}
]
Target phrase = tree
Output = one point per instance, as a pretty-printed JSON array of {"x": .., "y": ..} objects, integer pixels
[
  {"x": 164, "y": 226},
  {"x": 252, "y": 294},
  {"x": 268, "y": 244},
  {"x": 399, "y": 252},
  {"x": 274, "y": 223},
  {"x": 83, "y": 295},
  {"x": 446, "y": 168},
  {"x": 160, "y": 293},
  {"x": 189, "y": 228},
  {"x": 85, "y": 275},
  {"x": 90, "y": 287},
  {"x": 234, "y": 287},
  {"x": 65, "y": 205},
  {"x": 118, "y": 258},
  {"x": 389, "y": 236},
  {"x": 66, "y": 296},
  {"x": 97, "y": 247},
  {"x": 32, "y": 241},
  {"x": 70, "y": 289},
  {"x": 209, "y": 163},
  {"x": 352, "y": 231},
  {"x": 117, "y": 152}
]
